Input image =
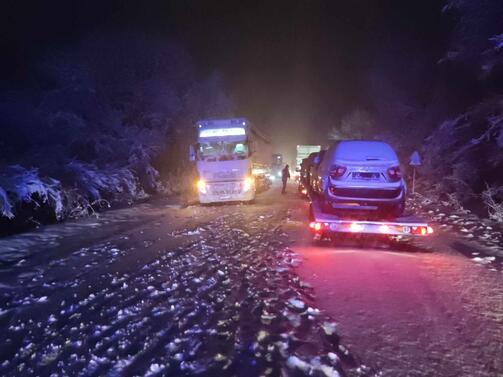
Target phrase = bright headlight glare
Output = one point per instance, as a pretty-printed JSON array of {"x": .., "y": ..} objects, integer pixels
[
  {"x": 247, "y": 184},
  {"x": 201, "y": 186}
]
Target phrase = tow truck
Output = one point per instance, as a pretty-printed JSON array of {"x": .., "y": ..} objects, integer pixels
[{"x": 329, "y": 225}]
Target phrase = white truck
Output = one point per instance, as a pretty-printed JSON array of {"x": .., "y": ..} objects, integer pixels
[{"x": 225, "y": 154}]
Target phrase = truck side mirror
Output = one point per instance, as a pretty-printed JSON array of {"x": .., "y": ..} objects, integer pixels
[{"x": 192, "y": 153}]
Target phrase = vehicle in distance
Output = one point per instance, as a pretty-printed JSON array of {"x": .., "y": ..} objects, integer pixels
[
  {"x": 276, "y": 166},
  {"x": 303, "y": 151},
  {"x": 225, "y": 153},
  {"x": 313, "y": 170},
  {"x": 361, "y": 175}
]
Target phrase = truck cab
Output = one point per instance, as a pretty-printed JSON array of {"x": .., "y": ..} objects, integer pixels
[{"x": 224, "y": 160}]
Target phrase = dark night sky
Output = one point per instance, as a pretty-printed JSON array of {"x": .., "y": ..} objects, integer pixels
[{"x": 291, "y": 65}]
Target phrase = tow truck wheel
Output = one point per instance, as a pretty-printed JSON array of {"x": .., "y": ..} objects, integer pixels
[
  {"x": 322, "y": 240},
  {"x": 317, "y": 239}
]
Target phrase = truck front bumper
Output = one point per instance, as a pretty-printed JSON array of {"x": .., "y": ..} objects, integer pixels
[{"x": 226, "y": 192}]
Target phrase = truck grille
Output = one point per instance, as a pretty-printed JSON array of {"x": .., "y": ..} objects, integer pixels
[
  {"x": 224, "y": 175},
  {"x": 228, "y": 188},
  {"x": 365, "y": 193}
]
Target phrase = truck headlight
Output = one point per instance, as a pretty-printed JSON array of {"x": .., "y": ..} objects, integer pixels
[
  {"x": 202, "y": 187},
  {"x": 247, "y": 184}
]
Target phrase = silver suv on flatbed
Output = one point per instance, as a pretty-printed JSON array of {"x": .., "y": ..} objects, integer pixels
[{"x": 361, "y": 175}]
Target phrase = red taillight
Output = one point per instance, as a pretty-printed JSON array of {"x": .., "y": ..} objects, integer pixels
[
  {"x": 394, "y": 173},
  {"x": 337, "y": 171},
  {"x": 421, "y": 230},
  {"x": 316, "y": 226}
]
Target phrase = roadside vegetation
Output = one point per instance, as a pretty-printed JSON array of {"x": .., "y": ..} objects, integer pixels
[
  {"x": 106, "y": 124},
  {"x": 446, "y": 105}
]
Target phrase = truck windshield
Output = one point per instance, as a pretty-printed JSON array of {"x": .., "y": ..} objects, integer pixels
[{"x": 223, "y": 151}]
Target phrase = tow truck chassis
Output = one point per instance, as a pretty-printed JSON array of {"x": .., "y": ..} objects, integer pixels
[{"x": 327, "y": 224}]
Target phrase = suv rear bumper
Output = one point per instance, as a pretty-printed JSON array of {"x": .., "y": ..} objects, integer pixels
[{"x": 364, "y": 198}]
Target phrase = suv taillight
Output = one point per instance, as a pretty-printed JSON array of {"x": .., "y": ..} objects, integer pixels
[
  {"x": 394, "y": 173},
  {"x": 337, "y": 171}
]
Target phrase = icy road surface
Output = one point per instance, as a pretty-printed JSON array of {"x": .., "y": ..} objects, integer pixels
[
  {"x": 161, "y": 290},
  {"x": 239, "y": 290}
]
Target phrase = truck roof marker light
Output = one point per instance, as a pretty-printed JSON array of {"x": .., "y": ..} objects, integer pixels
[
  {"x": 220, "y": 132},
  {"x": 355, "y": 227}
]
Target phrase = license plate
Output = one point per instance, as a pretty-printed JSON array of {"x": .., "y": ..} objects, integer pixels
[
  {"x": 225, "y": 190},
  {"x": 364, "y": 175}
]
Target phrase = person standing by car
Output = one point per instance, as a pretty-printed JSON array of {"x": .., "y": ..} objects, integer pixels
[{"x": 285, "y": 175}]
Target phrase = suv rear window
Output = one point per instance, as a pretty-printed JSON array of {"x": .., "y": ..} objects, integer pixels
[{"x": 364, "y": 151}]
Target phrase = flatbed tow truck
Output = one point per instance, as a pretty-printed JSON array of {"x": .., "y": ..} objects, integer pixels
[{"x": 328, "y": 225}]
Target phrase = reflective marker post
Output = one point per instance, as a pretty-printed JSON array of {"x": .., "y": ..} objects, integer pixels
[{"x": 415, "y": 160}]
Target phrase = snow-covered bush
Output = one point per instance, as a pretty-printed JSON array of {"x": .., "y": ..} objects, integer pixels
[
  {"x": 5, "y": 205},
  {"x": 493, "y": 199},
  {"x": 465, "y": 153},
  {"x": 110, "y": 125},
  {"x": 19, "y": 185},
  {"x": 89, "y": 188},
  {"x": 104, "y": 183}
]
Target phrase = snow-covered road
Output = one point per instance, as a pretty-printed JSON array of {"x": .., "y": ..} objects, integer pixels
[
  {"x": 237, "y": 290},
  {"x": 157, "y": 289}
]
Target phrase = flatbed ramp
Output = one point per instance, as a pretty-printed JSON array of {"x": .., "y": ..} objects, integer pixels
[{"x": 323, "y": 223}]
